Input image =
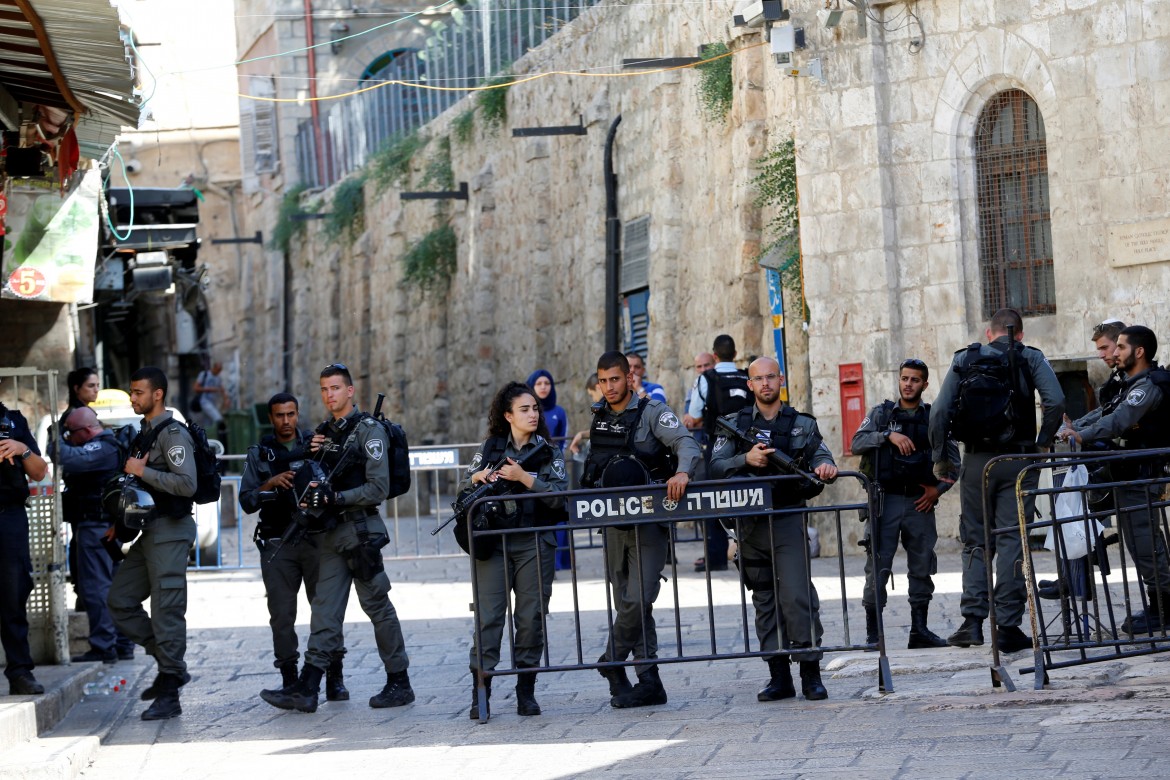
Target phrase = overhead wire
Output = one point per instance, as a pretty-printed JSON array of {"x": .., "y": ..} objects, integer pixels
[{"x": 511, "y": 82}]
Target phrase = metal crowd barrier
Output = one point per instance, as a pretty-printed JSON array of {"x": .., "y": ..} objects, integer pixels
[
  {"x": 740, "y": 500},
  {"x": 1093, "y": 589}
]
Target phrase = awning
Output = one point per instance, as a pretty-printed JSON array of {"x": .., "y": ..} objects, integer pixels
[{"x": 70, "y": 54}]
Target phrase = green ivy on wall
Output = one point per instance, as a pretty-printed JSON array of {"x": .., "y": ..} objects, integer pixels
[
  {"x": 391, "y": 164},
  {"x": 776, "y": 189},
  {"x": 287, "y": 227},
  {"x": 716, "y": 85},
  {"x": 347, "y": 214},
  {"x": 430, "y": 263},
  {"x": 463, "y": 127},
  {"x": 493, "y": 103}
]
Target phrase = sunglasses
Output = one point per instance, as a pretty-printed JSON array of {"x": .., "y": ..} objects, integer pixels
[
  {"x": 912, "y": 363},
  {"x": 336, "y": 367}
]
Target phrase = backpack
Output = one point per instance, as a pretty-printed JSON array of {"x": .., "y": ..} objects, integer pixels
[
  {"x": 726, "y": 394},
  {"x": 987, "y": 403},
  {"x": 399, "y": 455},
  {"x": 207, "y": 466}
]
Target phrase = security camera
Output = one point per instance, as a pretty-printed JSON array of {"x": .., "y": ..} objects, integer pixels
[
  {"x": 830, "y": 17},
  {"x": 133, "y": 166},
  {"x": 786, "y": 39},
  {"x": 754, "y": 13}
]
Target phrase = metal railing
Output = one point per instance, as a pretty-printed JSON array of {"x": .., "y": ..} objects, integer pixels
[
  {"x": 573, "y": 645},
  {"x": 477, "y": 41},
  {"x": 1096, "y": 598}
]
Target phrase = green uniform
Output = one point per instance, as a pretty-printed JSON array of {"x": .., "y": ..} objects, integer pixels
[
  {"x": 370, "y": 468},
  {"x": 527, "y": 569},
  {"x": 156, "y": 565}
]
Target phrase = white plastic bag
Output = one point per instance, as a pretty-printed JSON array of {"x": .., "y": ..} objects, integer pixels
[{"x": 1071, "y": 504}]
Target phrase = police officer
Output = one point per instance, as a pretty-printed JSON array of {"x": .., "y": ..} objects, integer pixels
[
  {"x": 1024, "y": 372},
  {"x": 20, "y": 461},
  {"x": 267, "y": 488},
  {"x": 1139, "y": 417},
  {"x": 89, "y": 457},
  {"x": 1105, "y": 340},
  {"x": 634, "y": 442},
  {"x": 894, "y": 445},
  {"x": 774, "y": 554},
  {"x": 352, "y": 447},
  {"x": 515, "y": 427},
  {"x": 156, "y": 565}
]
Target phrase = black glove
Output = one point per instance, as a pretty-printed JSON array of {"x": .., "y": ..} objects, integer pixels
[{"x": 321, "y": 497}]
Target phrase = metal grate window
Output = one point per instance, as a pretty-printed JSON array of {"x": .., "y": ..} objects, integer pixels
[
  {"x": 1015, "y": 226},
  {"x": 635, "y": 270}
]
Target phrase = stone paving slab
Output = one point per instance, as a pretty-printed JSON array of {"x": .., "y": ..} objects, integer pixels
[{"x": 943, "y": 720}]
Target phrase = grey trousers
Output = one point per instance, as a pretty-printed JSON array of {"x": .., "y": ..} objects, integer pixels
[
  {"x": 1010, "y": 593},
  {"x": 156, "y": 568},
  {"x": 634, "y": 561},
  {"x": 788, "y": 614},
  {"x": 531, "y": 580},
  {"x": 334, "y": 579},
  {"x": 900, "y": 521},
  {"x": 292, "y": 565},
  {"x": 1143, "y": 536}
]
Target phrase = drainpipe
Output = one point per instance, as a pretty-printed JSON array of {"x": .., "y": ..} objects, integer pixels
[
  {"x": 310, "y": 42},
  {"x": 613, "y": 243}
]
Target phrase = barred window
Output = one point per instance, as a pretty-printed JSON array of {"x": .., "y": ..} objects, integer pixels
[{"x": 1015, "y": 226}]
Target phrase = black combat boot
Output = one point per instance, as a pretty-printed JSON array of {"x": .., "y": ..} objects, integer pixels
[
  {"x": 288, "y": 678},
  {"x": 647, "y": 692},
  {"x": 303, "y": 696},
  {"x": 780, "y": 685},
  {"x": 619, "y": 681},
  {"x": 1151, "y": 619},
  {"x": 166, "y": 699},
  {"x": 871, "y": 630},
  {"x": 1011, "y": 639},
  {"x": 921, "y": 636},
  {"x": 970, "y": 634},
  {"x": 526, "y": 703},
  {"x": 487, "y": 683},
  {"x": 335, "y": 682},
  {"x": 397, "y": 692},
  {"x": 152, "y": 690},
  {"x": 810, "y": 681}
]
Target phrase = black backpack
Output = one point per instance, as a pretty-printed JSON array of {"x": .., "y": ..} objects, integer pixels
[
  {"x": 727, "y": 393},
  {"x": 399, "y": 454},
  {"x": 207, "y": 466},
  {"x": 989, "y": 398}
]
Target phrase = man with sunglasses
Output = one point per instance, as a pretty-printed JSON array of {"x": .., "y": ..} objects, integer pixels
[
  {"x": 773, "y": 555},
  {"x": 89, "y": 457},
  {"x": 894, "y": 445},
  {"x": 1007, "y": 429},
  {"x": 354, "y": 454}
]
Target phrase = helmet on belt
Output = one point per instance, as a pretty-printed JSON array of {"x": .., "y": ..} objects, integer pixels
[{"x": 126, "y": 500}]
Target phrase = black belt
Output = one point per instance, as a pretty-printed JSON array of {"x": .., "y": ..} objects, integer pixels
[
  {"x": 909, "y": 492},
  {"x": 1001, "y": 449}
]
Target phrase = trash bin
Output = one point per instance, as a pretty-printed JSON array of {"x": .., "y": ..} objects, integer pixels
[{"x": 241, "y": 430}]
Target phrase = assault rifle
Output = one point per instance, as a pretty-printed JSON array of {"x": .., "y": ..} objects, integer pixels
[
  {"x": 780, "y": 460},
  {"x": 464, "y": 501}
]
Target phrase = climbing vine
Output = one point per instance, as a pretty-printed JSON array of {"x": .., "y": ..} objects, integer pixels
[
  {"x": 776, "y": 190},
  {"x": 716, "y": 85}
]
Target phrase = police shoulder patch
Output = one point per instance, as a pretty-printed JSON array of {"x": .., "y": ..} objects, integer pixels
[
  {"x": 719, "y": 443},
  {"x": 668, "y": 420},
  {"x": 177, "y": 456},
  {"x": 92, "y": 446},
  {"x": 558, "y": 468},
  {"x": 864, "y": 422},
  {"x": 376, "y": 448},
  {"x": 1135, "y": 397}
]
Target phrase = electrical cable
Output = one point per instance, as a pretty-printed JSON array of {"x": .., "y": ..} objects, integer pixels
[
  {"x": 513, "y": 80},
  {"x": 130, "y": 189},
  {"x": 153, "y": 78}
]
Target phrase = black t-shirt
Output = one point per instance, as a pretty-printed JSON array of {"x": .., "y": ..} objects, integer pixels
[{"x": 13, "y": 482}]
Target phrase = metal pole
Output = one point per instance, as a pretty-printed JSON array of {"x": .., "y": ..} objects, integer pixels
[{"x": 613, "y": 237}]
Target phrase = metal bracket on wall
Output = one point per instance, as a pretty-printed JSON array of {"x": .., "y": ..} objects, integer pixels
[
  {"x": 531, "y": 132},
  {"x": 459, "y": 194},
  {"x": 862, "y": 13},
  {"x": 256, "y": 239}
]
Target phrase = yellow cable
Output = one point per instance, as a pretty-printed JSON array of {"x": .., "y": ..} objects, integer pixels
[{"x": 514, "y": 80}]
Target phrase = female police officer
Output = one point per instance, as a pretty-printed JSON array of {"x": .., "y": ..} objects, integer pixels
[{"x": 520, "y": 562}]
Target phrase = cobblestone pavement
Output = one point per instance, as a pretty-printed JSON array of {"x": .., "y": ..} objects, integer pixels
[{"x": 944, "y": 719}]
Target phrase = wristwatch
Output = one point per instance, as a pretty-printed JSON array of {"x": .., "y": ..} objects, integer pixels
[{"x": 26, "y": 454}]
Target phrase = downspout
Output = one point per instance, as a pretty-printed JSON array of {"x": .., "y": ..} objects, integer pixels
[
  {"x": 316, "y": 114},
  {"x": 613, "y": 243}
]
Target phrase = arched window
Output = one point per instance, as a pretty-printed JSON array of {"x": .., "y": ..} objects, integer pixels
[{"x": 1015, "y": 226}]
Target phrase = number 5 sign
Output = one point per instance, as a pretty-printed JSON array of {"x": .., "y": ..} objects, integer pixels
[{"x": 27, "y": 282}]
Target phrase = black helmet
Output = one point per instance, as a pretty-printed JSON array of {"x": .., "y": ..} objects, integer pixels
[{"x": 136, "y": 506}]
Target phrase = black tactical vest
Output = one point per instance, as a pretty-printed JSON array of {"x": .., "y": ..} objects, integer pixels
[
  {"x": 609, "y": 438},
  {"x": 13, "y": 483},
  {"x": 166, "y": 504},
  {"x": 1110, "y": 393},
  {"x": 82, "y": 499},
  {"x": 352, "y": 473},
  {"x": 1153, "y": 430},
  {"x": 781, "y": 438},
  {"x": 894, "y": 470},
  {"x": 275, "y": 459},
  {"x": 726, "y": 393}
]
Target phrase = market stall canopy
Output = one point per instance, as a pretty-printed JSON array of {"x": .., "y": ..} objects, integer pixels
[{"x": 72, "y": 55}]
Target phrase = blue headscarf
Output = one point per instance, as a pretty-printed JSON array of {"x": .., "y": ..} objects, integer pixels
[{"x": 545, "y": 403}]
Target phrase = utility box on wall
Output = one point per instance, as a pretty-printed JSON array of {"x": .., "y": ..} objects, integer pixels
[{"x": 852, "y": 383}]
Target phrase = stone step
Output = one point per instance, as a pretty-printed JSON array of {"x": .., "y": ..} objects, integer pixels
[{"x": 49, "y": 758}]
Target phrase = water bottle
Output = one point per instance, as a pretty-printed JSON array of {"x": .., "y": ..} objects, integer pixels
[{"x": 105, "y": 686}]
